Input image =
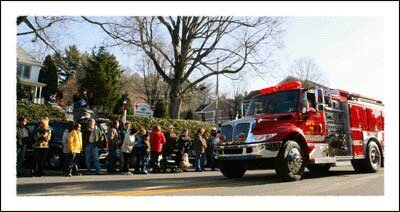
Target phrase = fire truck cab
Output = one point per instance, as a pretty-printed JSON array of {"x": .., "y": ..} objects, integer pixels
[{"x": 288, "y": 128}]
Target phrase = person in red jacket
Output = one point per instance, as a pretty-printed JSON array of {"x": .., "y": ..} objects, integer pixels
[{"x": 157, "y": 140}]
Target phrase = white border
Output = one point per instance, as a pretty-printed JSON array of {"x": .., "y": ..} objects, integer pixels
[{"x": 389, "y": 10}]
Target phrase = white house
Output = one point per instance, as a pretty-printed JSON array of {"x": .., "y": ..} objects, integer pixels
[{"x": 28, "y": 68}]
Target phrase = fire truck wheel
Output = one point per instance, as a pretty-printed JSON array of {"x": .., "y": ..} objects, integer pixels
[
  {"x": 319, "y": 168},
  {"x": 290, "y": 163},
  {"x": 373, "y": 161},
  {"x": 232, "y": 169},
  {"x": 358, "y": 165}
]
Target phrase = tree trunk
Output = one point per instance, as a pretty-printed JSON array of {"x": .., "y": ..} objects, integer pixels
[{"x": 175, "y": 101}]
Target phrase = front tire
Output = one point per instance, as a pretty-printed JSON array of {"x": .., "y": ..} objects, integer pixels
[
  {"x": 232, "y": 169},
  {"x": 55, "y": 160},
  {"x": 290, "y": 163}
]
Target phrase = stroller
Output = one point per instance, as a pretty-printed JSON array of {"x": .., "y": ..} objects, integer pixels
[{"x": 168, "y": 162}]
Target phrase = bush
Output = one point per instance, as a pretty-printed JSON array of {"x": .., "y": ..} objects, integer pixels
[
  {"x": 35, "y": 112},
  {"x": 179, "y": 124}
]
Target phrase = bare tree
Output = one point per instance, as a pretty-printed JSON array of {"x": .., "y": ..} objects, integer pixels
[
  {"x": 39, "y": 27},
  {"x": 306, "y": 69},
  {"x": 153, "y": 85},
  {"x": 191, "y": 46}
]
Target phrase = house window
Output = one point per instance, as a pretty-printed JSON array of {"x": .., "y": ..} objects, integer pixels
[
  {"x": 20, "y": 69},
  {"x": 27, "y": 72},
  {"x": 24, "y": 71}
]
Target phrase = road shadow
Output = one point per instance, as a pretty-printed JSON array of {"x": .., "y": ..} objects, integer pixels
[{"x": 178, "y": 181}]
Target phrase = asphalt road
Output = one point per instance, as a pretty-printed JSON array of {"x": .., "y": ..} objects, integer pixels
[{"x": 341, "y": 181}]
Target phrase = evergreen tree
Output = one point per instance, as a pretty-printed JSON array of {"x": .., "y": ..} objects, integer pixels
[
  {"x": 118, "y": 109},
  {"x": 48, "y": 75},
  {"x": 189, "y": 115},
  {"x": 160, "y": 110},
  {"x": 70, "y": 63},
  {"x": 102, "y": 78}
]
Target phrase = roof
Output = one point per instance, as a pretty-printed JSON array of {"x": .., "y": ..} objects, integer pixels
[
  {"x": 201, "y": 107},
  {"x": 30, "y": 82},
  {"x": 24, "y": 57},
  {"x": 223, "y": 103}
]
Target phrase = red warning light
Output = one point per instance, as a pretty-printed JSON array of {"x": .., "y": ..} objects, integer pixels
[
  {"x": 268, "y": 90},
  {"x": 288, "y": 85}
]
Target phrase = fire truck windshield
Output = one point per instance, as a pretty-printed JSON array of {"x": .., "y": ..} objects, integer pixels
[{"x": 279, "y": 102}]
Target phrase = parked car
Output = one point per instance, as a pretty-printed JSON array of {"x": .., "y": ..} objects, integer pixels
[
  {"x": 55, "y": 156},
  {"x": 104, "y": 125}
]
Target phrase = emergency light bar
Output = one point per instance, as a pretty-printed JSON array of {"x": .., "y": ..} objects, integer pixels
[{"x": 284, "y": 86}]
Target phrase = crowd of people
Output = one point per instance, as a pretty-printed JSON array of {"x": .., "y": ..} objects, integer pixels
[{"x": 148, "y": 148}]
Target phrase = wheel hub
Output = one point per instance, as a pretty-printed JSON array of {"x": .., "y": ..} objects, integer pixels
[
  {"x": 295, "y": 160},
  {"x": 374, "y": 156}
]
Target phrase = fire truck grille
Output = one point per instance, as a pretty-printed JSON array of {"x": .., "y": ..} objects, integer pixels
[
  {"x": 227, "y": 132},
  {"x": 241, "y": 128},
  {"x": 233, "y": 151}
]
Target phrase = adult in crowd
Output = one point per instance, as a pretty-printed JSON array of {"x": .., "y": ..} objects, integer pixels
[
  {"x": 42, "y": 136},
  {"x": 199, "y": 146},
  {"x": 210, "y": 149},
  {"x": 114, "y": 143},
  {"x": 66, "y": 151},
  {"x": 22, "y": 141},
  {"x": 171, "y": 142},
  {"x": 125, "y": 129},
  {"x": 75, "y": 145},
  {"x": 91, "y": 138},
  {"x": 185, "y": 144},
  {"x": 127, "y": 147},
  {"x": 142, "y": 150},
  {"x": 157, "y": 140}
]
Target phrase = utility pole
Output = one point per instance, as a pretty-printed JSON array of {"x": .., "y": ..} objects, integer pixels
[{"x": 217, "y": 94}]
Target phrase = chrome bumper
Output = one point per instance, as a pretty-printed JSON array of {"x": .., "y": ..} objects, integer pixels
[{"x": 248, "y": 151}]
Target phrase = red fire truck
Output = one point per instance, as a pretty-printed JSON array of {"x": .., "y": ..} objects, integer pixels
[{"x": 289, "y": 128}]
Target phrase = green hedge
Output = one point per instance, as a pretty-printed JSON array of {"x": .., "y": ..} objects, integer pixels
[
  {"x": 34, "y": 112},
  {"x": 179, "y": 124}
]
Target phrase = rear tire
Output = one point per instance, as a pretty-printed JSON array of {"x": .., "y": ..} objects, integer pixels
[
  {"x": 232, "y": 169},
  {"x": 290, "y": 163},
  {"x": 372, "y": 163}
]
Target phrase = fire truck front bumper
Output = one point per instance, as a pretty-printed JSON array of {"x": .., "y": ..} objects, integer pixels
[{"x": 248, "y": 151}]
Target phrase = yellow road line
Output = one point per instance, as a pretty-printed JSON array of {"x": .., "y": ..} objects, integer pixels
[{"x": 156, "y": 191}]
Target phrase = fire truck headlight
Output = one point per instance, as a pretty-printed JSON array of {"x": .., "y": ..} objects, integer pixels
[{"x": 263, "y": 137}]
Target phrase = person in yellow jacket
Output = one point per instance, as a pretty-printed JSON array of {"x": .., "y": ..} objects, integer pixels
[{"x": 75, "y": 146}]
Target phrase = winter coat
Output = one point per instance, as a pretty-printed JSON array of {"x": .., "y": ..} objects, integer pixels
[
  {"x": 129, "y": 143},
  {"x": 142, "y": 143},
  {"x": 171, "y": 143},
  {"x": 42, "y": 137},
  {"x": 86, "y": 135},
  {"x": 114, "y": 138},
  {"x": 157, "y": 140},
  {"x": 199, "y": 144},
  {"x": 75, "y": 141},
  {"x": 185, "y": 143},
  {"x": 22, "y": 136}
]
